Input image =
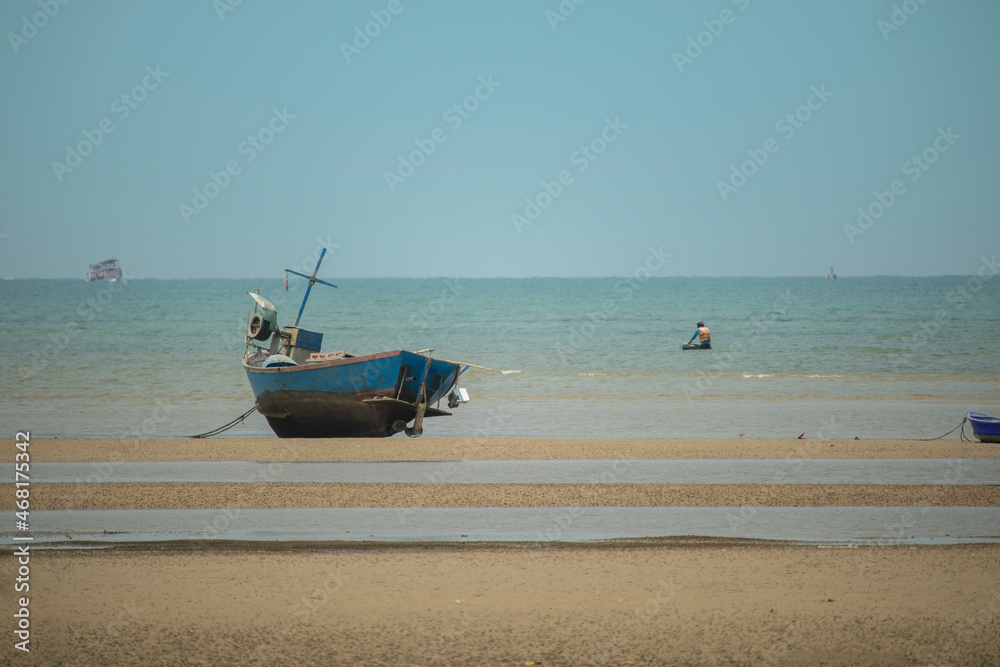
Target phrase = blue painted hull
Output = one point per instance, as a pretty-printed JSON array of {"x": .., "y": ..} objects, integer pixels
[
  {"x": 984, "y": 427},
  {"x": 367, "y": 396}
]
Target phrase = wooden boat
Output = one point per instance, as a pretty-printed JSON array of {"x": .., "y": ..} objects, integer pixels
[
  {"x": 984, "y": 427},
  {"x": 304, "y": 393}
]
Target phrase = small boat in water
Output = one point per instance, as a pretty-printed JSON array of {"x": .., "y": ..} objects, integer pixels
[
  {"x": 107, "y": 271},
  {"x": 304, "y": 393},
  {"x": 984, "y": 427}
]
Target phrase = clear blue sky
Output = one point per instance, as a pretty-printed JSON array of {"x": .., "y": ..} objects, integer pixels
[{"x": 187, "y": 89}]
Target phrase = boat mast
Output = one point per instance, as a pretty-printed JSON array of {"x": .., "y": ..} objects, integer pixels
[{"x": 312, "y": 281}]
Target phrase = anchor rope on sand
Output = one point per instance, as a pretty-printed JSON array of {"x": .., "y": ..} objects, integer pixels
[
  {"x": 961, "y": 435},
  {"x": 226, "y": 427}
]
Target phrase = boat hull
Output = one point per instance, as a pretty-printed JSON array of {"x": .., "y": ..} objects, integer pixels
[
  {"x": 372, "y": 396},
  {"x": 984, "y": 427}
]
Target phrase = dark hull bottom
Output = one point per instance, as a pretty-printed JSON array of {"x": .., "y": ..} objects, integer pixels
[{"x": 319, "y": 415}]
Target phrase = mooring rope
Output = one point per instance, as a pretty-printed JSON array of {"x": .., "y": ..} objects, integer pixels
[
  {"x": 217, "y": 431},
  {"x": 961, "y": 435}
]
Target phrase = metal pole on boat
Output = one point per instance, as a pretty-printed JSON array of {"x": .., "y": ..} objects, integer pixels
[
  {"x": 418, "y": 419},
  {"x": 312, "y": 281}
]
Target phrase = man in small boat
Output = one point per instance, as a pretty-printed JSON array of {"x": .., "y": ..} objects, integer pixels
[{"x": 703, "y": 336}]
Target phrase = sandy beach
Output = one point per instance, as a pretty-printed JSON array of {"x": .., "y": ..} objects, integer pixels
[
  {"x": 676, "y": 601},
  {"x": 484, "y": 449},
  {"x": 206, "y": 495},
  {"x": 703, "y": 603}
]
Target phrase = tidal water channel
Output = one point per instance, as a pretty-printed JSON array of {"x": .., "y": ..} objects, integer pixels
[
  {"x": 850, "y": 525},
  {"x": 654, "y": 471},
  {"x": 860, "y": 525}
]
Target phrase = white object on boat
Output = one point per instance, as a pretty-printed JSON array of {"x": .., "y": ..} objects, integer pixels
[
  {"x": 267, "y": 309},
  {"x": 278, "y": 360}
]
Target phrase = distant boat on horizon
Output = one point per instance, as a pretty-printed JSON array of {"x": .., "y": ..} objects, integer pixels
[
  {"x": 106, "y": 271},
  {"x": 831, "y": 275}
]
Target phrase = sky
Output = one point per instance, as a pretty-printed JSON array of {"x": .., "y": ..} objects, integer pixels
[{"x": 503, "y": 138}]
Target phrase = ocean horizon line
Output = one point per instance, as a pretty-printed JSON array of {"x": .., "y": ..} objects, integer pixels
[{"x": 127, "y": 278}]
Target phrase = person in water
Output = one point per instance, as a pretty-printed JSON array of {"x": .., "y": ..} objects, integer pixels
[{"x": 703, "y": 336}]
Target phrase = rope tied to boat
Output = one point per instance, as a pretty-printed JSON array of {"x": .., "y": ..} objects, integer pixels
[
  {"x": 226, "y": 427},
  {"x": 961, "y": 435}
]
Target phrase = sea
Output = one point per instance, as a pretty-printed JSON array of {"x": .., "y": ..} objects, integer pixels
[{"x": 865, "y": 357}]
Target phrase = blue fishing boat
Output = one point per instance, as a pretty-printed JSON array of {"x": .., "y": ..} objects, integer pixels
[
  {"x": 984, "y": 427},
  {"x": 304, "y": 393}
]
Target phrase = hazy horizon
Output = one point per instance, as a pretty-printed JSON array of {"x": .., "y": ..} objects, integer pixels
[{"x": 321, "y": 275}]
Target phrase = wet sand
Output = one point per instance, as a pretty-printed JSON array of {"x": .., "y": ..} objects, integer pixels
[
  {"x": 484, "y": 449},
  {"x": 679, "y": 601},
  {"x": 207, "y": 495}
]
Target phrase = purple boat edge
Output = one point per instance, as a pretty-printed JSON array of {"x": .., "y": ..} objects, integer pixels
[{"x": 985, "y": 427}]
